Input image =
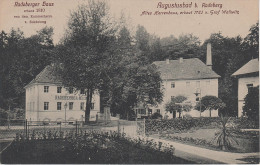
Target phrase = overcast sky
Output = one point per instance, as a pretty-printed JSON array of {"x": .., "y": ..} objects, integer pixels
[{"x": 201, "y": 25}]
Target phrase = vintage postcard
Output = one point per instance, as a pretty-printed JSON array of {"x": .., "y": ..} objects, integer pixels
[{"x": 129, "y": 82}]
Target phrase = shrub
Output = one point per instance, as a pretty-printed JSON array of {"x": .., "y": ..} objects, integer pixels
[
  {"x": 177, "y": 125},
  {"x": 225, "y": 137},
  {"x": 156, "y": 115},
  {"x": 251, "y": 108},
  {"x": 89, "y": 147}
]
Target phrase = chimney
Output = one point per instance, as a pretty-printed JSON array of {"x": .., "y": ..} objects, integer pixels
[
  {"x": 181, "y": 59},
  {"x": 167, "y": 60},
  {"x": 209, "y": 56}
]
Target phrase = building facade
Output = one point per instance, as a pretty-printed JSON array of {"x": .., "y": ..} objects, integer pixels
[
  {"x": 248, "y": 76},
  {"x": 47, "y": 100},
  {"x": 187, "y": 77}
]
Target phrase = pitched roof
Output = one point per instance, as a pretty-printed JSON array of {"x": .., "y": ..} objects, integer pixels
[
  {"x": 192, "y": 68},
  {"x": 47, "y": 75},
  {"x": 251, "y": 67}
]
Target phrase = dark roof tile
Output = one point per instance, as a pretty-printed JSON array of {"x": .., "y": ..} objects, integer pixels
[{"x": 192, "y": 68}]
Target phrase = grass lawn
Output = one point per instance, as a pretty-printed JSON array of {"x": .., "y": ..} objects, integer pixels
[
  {"x": 62, "y": 151},
  {"x": 246, "y": 143}
]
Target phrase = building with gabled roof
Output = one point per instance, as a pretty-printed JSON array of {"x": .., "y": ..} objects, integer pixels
[
  {"x": 48, "y": 100},
  {"x": 248, "y": 76},
  {"x": 187, "y": 77}
]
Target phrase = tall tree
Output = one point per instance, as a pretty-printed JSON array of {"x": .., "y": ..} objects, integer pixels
[
  {"x": 251, "y": 42},
  {"x": 86, "y": 50},
  {"x": 186, "y": 46},
  {"x": 23, "y": 58}
]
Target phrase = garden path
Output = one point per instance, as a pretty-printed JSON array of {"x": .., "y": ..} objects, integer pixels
[{"x": 218, "y": 156}]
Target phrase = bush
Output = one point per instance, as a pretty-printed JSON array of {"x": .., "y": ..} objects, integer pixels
[
  {"x": 245, "y": 123},
  {"x": 88, "y": 147},
  {"x": 178, "y": 124},
  {"x": 251, "y": 108},
  {"x": 156, "y": 115}
]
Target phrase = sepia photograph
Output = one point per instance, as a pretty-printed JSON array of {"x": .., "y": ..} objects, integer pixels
[{"x": 129, "y": 82}]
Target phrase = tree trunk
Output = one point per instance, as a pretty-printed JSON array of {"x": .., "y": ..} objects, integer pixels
[
  {"x": 179, "y": 114},
  {"x": 209, "y": 112},
  {"x": 173, "y": 114},
  {"x": 88, "y": 105}
]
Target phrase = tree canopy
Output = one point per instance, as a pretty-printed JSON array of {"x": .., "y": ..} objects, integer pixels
[
  {"x": 177, "y": 104},
  {"x": 209, "y": 103},
  {"x": 97, "y": 55}
]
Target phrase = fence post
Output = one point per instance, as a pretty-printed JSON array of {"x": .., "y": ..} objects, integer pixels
[
  {"x": 118, "y": 126},
  {"x": 76, "y": 127},
  {"x": 144, "y": 126},
  {"x": 28, "y": 124},
  {"x": 26, "y": 128}
]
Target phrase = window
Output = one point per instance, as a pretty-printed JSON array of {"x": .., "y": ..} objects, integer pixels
[
  {"x": 46, "y": 89},
  {"x": 70, "y": 90},
  {"x": 92, "y": 105},
  {"x": 197, "y": 98},
  {"x": 46, "y": 105},
  {"x": 173, "y": 85},
  {"x": 158, "y": 110},
  {"x": 59, "y": 106},
  {"x": 82, "y": 106},
  {"x": 143, "y": 111},
  {"x": 150, "y": 111},
  {"x": 249, "y": 85},
  {"x": 59, "y": 89},
  {"x": 70, "y": 105},
  {"x": 197, "y": 83},
  {"x": 82, "y": 91},
  {"x": 187, "y": 83},
  {"x": 172, "y": 97}
]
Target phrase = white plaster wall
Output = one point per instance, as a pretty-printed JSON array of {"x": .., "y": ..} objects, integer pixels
[
  {"x": 206, "y": 86},
  {"x": 36, "y": 97},
  {"x": 243, "y": 90}
]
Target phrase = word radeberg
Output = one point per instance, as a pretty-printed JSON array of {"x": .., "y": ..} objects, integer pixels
[
  {"x": 32, "y": 4},
  {"x": 70, "y": 97}
]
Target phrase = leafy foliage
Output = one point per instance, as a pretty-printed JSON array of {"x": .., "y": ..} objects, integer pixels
[
  {"x": 225, "y": 138},
  {"x": 21, "y": 60},
  {"x": 177, "y": 104},
  {"x": 177, "y": 124},
  {"x": 156, "y": 115},
  {"x": 210, "y": 103},
  {"x": 251, "y": 108},
  {"x": 89, "y": 147}
]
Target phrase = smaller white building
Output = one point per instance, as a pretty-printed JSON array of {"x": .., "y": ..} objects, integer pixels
[
  {"x": 47, "y": 100},
  {"x": 248, "y": 76}
]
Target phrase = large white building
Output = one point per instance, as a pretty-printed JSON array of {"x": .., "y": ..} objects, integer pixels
[
  {"x": 47, "y": 100},
  {"x": 248, "y": 76},
  {"x": 186, "y": 77}
]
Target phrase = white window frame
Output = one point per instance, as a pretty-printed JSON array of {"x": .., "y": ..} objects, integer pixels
[{"x": 46, "y": 106}]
